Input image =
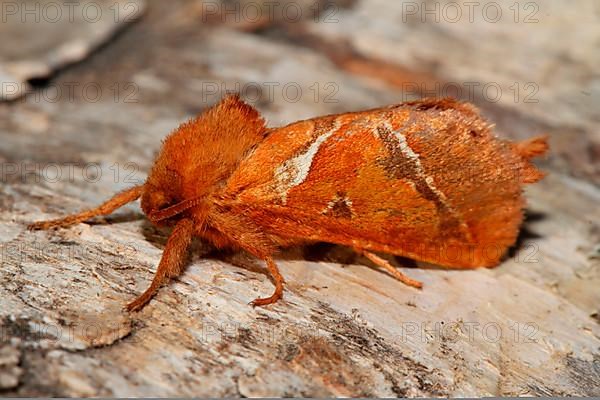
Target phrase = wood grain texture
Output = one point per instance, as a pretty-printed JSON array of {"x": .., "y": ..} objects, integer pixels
[
  {"x": 529, "y": 326},
  {"x": 43, "y": 37}
]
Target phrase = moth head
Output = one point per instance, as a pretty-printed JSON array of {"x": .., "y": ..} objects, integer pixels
[
  {"x": 154, "y": 199},
  {"x": 163, "y": 200},
  {"x": 198, "y": 156}
]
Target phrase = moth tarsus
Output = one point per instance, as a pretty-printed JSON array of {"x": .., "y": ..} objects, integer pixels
[{"x": 424, "y": 179}]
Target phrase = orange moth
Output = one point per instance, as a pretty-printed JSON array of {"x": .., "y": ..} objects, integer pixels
[{"x": 423, "y": 179}]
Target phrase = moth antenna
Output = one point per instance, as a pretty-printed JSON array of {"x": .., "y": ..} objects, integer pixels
[{"x": 159, "y": 215}]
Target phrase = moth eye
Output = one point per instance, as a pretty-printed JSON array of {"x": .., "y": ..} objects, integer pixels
[
  {"x": 162, "y": 205},
  {"x": 164, "y": 202},
  {"x": 154, "y": 200}
]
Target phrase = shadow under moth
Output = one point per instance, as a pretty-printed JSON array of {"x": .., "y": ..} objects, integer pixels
[{"x": 423, "y": 179}]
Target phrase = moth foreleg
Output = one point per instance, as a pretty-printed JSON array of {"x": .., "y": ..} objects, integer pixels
[
  {"x": 278, "y": 280},
  {"x": 171, "y": 264},
  {"x": 389, "y": 268},
  {"x": 241, "y": 233},
  {"x": 117, "y": 201}
]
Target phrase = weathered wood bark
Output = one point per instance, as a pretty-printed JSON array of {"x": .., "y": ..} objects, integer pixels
[{"x": 530, "y": 326}]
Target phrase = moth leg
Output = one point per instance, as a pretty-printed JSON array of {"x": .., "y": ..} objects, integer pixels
[
  {"x": 279, "y": 281},
  {"x": 389, "y": 268},
  {"x": 171, "y": 263},
  {"x": 240, "y": 232},
  {"x": 119, "y": 200}
]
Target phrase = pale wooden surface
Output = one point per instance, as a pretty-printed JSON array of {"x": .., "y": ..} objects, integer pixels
[
  {"x": 43, "y": 36},
  {"x": 343, "y": 328}
]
